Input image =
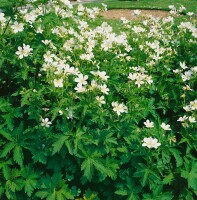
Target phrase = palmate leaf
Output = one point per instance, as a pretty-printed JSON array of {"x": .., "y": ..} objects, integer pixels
[
  {"x": 54, "y": 188},
  {"x": 15, "y": 182},
  {"x": 51, "y": 196},
  {"x": 177, "y": 155},
  {"x": 168, "y": 179},
  {"x": 64, "y": 193},
  {"x": 191, "y": 176},
  {"x": 4, "y": 105},
  {"x": 40, "y": 156},
  {"x": 6, "y": 135},
  {"x": 105, "y": 167},
  {"x": 6, "y": 172},
  {"x": 30, "y": 179},
  {"x": 59, "y": 143},
  {"x": 18, "y": 155},
  {"x": 7, "y": 148},
  {"x": 9, "y": 120},
  {"x": 144, "y": 172},
  {"x": 88, "y": 168},
  {"x": 41, "y": 194},
  {"x": 30, "y": 185}
]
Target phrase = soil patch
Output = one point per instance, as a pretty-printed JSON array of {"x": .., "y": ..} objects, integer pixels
[{"x": 129, "y": 14}]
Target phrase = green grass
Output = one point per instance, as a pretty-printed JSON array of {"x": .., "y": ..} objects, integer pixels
[{"x": 191, "y": 5}]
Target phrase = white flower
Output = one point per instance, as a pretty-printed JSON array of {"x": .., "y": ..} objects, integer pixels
[
  {"x": 138, "y": 29},
  {"x": 104, "y": 89},
  {"x": 17, "y": 27},
  {"x": 24, "y": 51},
  {"x": 182, "y": 119},
  {"x": 46, "y": 42},
  {"x": 48, "y": 57},
  {"x": 187, "y": 87},
  {"x": 70, "y": 113},
  {"x": 149, "y": 124},
  {"x": 171, "y": 7},
  {"x": 192, "y": 119},
  {"x": 81, "y": 80},
  {"x": 136, "y": 12},
  {"x": 190, "y": 14},
  {"x": 119, "y": 108},
  {"x": 93, "y": 85},
  {"x": 80, "y": 89},
  {"x": 45, "y": 122},
  {"x": 176, "y": 71},
  {"x": 2, "y": 18},
  {"x": 39, "y": 30},
  {"x": 87, "y": 56},
  {"x": 187, "y": 108},
  {"x": 30, "y": 17},
  {"x": 60, "y": 112},
  {"x": 151, "y": 143},
  {"x": 187, "y": 75},
  {"x": 100, "y": 100},
  {"x": 107, "y": 44},
  {"x": 58, "y": 82},
  {"x": 183, "y": 65},
  {"x": 193, "y": 105},
  {"x": 103, "y": 75},
  {"x": 139, "y": 81},
  {"x": 132, "y": 76},
  {"x": 165, "y": 126},
  {"x": 149, "y": 79}
]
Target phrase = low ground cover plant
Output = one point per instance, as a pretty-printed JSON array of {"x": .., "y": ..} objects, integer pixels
[{"x": 90, "y": 114}]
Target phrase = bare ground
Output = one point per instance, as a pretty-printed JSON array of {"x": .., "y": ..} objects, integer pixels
[{"x": 129, "y": 14}]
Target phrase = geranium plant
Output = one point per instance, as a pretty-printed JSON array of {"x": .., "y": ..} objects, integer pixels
[{"x": 87, "y": 113}]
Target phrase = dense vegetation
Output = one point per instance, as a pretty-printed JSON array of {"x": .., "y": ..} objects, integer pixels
[{"x": 90, "y": 114}]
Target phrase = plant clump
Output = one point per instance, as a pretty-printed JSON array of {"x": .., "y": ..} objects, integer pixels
[{"x": 84, "y": 108}]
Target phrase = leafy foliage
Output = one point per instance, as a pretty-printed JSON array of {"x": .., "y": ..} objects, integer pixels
[{"x": 89, "y": 114}]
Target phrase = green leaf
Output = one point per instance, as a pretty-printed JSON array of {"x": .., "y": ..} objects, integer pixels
[
  {"x": 191, "y": 176},
  {"x": 11, "y": 185},
  {"x": 4, "y": 105},
  {"x": 30, "y": 179},
  {"x": 59, "y": 144},
  {"x": 64, "y": 193},
  {"x": 51, "y": 196},
  {"x": 9, "y": 120},
  {"x": 41, "y": 194},
  {"x": 87, "y": 166},
  {"x": 145, "y": 177},
  {"x": 6, "y": 135},
  {"x": 40, "y": 156},
  {"x": 30, "y": 185},
  {"x": 6, "y": 172},
  {"x": 121, "y": 192},
  {"x": 168, "y": 179},
  {"x": 18, "y": 155},
  {"x": 177, "y": 155},
  {"x": 7, "y": 148}
]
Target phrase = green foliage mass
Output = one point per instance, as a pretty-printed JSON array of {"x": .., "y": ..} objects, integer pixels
[{"x": 74, "y": 106}]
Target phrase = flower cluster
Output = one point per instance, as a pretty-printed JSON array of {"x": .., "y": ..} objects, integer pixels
[
  {"x": 24, "y": 51},
  {"x": 151, "y": 143},
  {"x": 119, "y": 108},
  {"x": 139, "y": 76}
]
